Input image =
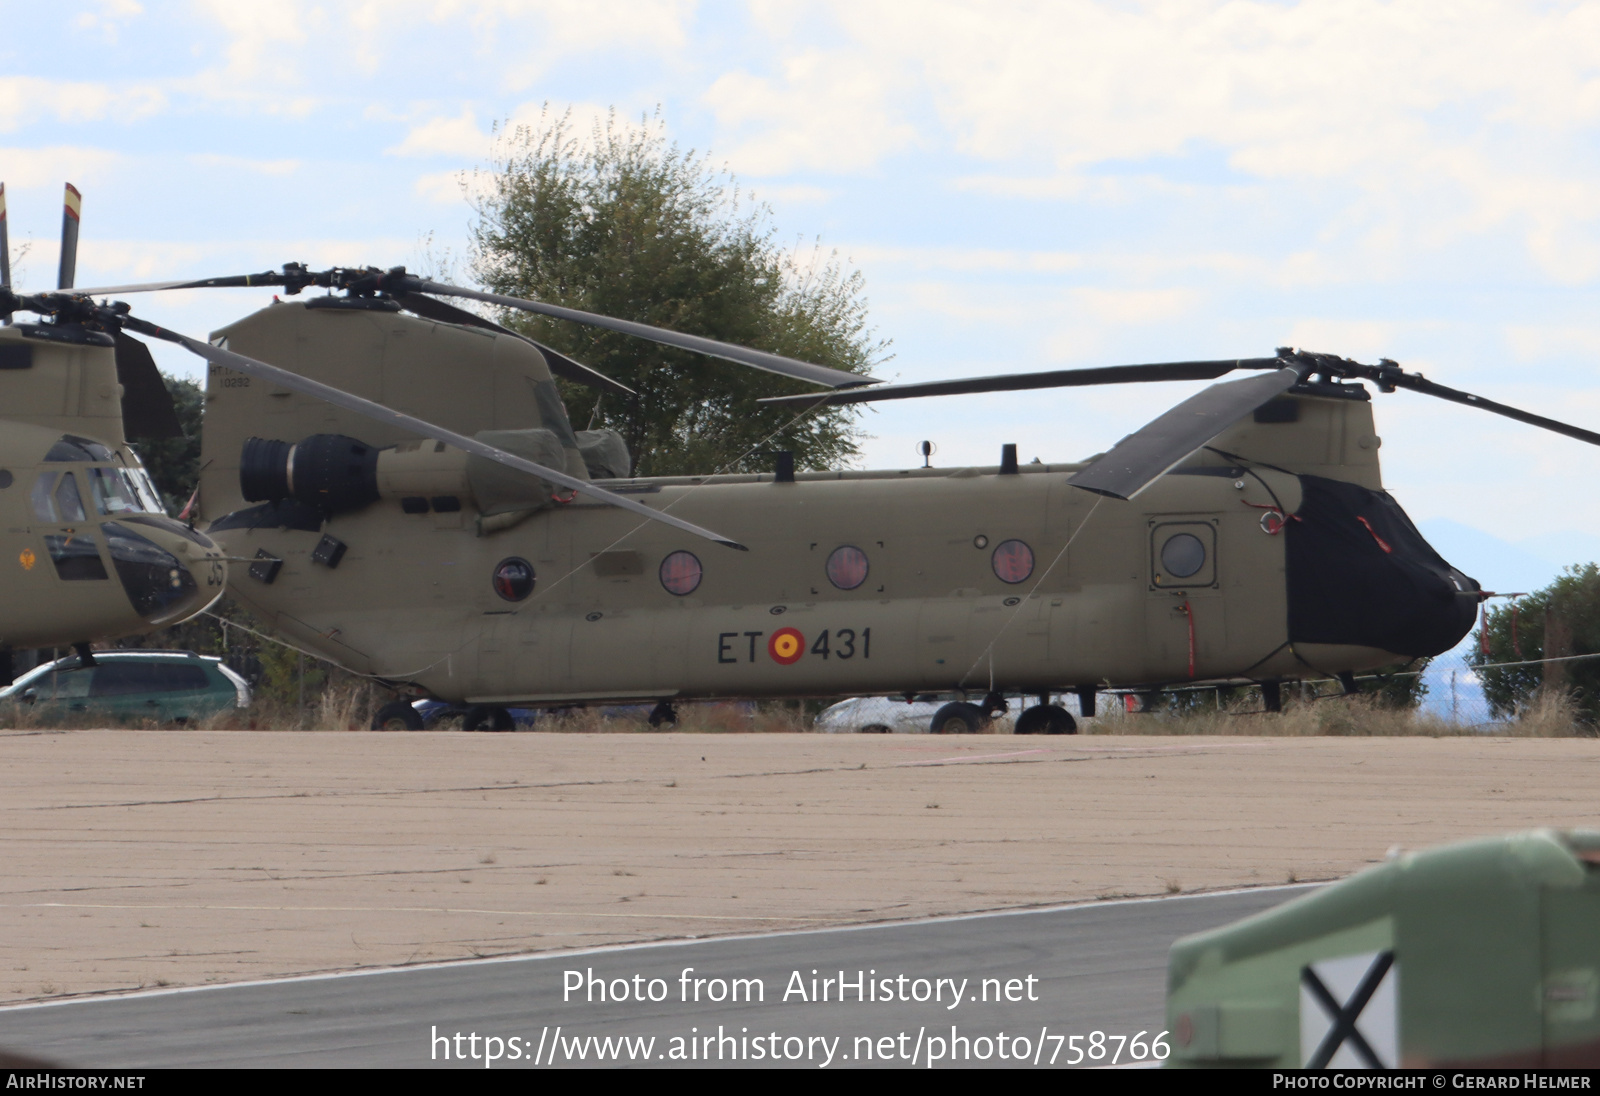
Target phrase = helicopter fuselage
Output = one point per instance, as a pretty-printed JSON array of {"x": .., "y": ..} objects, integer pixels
[
  {"x": 87, "y": 551},
  {"x": 939, "y": 580},
  {"x": 1271, "y": 553}
]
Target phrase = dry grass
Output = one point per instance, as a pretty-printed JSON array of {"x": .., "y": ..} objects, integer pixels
[
  {"x": 350, "y": 706},
  {"x": 1550, "y": 716},
  {"x": 776, "y": 717}
]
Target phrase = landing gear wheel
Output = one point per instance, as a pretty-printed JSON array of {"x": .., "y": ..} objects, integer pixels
[
  {"x": 663, "y": 714},
  {"x": 397, "y": 715},
  {"x": 480, "y": 718},
  {"x": 959, "y": 718},
  {"x": 1046, "y": 719}
]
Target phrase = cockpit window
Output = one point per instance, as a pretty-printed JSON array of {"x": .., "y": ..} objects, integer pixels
[
  {"x": 72, "y": 447},
  {"x": 139, "y": 483},
  {"x": 113, "y": 494},
  {"x": 42, "y": 497},
  {"x": 145, "y": 491},
  {"x": 76, "y": 556},
  {"x": 67, "y": 501}
]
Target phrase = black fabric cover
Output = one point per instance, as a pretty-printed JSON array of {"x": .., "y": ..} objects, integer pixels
[{"x": 1345, "y": 588}]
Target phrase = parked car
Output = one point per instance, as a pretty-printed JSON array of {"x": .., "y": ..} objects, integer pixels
[
  {"x": 124, "y": 686},
  {"x": 894, "y": 715}
]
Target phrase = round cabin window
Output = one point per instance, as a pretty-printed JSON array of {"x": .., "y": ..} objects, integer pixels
[
  {"x": 681, "y": 573},
  {"x": 513, "y": 578},
  {"x": 1183, "y": 555},
  {"x": 847, "y": 567},
  {"x": 1013, "y": 561}
]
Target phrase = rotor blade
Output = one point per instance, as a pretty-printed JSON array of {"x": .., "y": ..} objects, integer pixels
[
  {"x": 339, "y": 398},
  {"x": 1018, "y": 382},
  {"x": 1419, "y": 384},
  {"x": 147, "y": 408},
  {"x": 1144, "y": 455},
  {"x": 760, "y": 359},
  {"x": 71, "y": 209},
  {"x": 562, "y": 366},
  {"x": 5, "y": 241},
  {"x": 236, "y": 281}
]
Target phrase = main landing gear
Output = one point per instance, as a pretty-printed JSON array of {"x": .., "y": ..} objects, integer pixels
[
  {"x": 480, "y": 718},
  {"x": 397, "y": 715},
  {"x": 959, "y": 718},
  {"x": 1046, "y": 719}
]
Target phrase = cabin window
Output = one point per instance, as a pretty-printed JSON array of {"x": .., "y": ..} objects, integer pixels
[
  {"x": 513, "y": 578},
  {"x": 681, "y": 573},
  {"x": 847, "y": 567},
  {"x": 1183, "y": 555},
  {"x": 1012, "y": 561}
]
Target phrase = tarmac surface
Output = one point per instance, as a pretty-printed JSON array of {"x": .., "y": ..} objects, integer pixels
[
  {"x": 143, "y": 859},
  {"x": 1053, "y": 975}
]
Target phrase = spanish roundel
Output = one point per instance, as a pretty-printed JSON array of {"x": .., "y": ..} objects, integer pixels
[{"x": 786, "y": 646}]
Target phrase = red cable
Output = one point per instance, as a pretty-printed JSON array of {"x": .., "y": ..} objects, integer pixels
[{"x": 1381, "y": 542}]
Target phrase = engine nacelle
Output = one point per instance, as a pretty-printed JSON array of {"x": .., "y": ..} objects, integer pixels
[{"x": 337, "y": 474}]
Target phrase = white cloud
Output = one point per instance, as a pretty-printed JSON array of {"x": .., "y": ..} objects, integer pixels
[
  {"x": 830, "y": 112},
  {"x": 447, "y": 187},
  {"x": 109, "y": 19},
  {"x": 47, "y": 167},
  {"x": 459, "y": 136},
  {"x": 258, "y": 32},
  {"x": 24, "y": 99},
  {"x": 1430, "y": 122}
]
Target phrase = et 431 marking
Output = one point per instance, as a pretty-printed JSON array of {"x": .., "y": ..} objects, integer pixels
[{"x": 786, "y": 646}]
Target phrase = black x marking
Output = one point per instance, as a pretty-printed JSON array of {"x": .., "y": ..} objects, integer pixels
[{"x": 1345, "y": 1016}]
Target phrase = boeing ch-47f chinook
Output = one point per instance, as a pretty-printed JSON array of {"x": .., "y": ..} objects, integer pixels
[
  {"x": 87, "y": 549},
  {"x": 1242, "y": 536}
]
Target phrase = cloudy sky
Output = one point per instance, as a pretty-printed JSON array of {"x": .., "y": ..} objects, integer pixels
[{"x": 1024, "y": 185}]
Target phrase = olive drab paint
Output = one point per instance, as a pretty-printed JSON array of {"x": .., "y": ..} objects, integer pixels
[
  {"x": 855, "y": 581},
  {"x": 86, "y": 553}
]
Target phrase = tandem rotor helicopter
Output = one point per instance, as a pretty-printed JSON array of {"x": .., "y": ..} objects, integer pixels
[
  {"x": 70, "y": 396},
  {"x": 416, "y": 507}
]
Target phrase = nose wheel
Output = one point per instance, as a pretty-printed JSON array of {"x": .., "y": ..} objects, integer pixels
[
  {"x": 959, "y": 718},
  {"x": 397, "y": 715}
]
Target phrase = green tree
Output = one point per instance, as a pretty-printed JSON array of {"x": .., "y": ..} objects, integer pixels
[
  {"x": 631, "y": 226},
  {"x": 1517, "y": 634},
  {"x": 1399, "y": 686}
]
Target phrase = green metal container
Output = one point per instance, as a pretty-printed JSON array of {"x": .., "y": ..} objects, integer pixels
[{"x": 1484, "y": 953}]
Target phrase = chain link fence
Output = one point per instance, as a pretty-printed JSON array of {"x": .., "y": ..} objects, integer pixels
[{"x": 1446, "y": 690}]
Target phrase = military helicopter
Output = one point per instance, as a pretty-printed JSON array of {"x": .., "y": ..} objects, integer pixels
[
  {"x": 1242, "y": 536},
  {"x": 76, "y": 507}
]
